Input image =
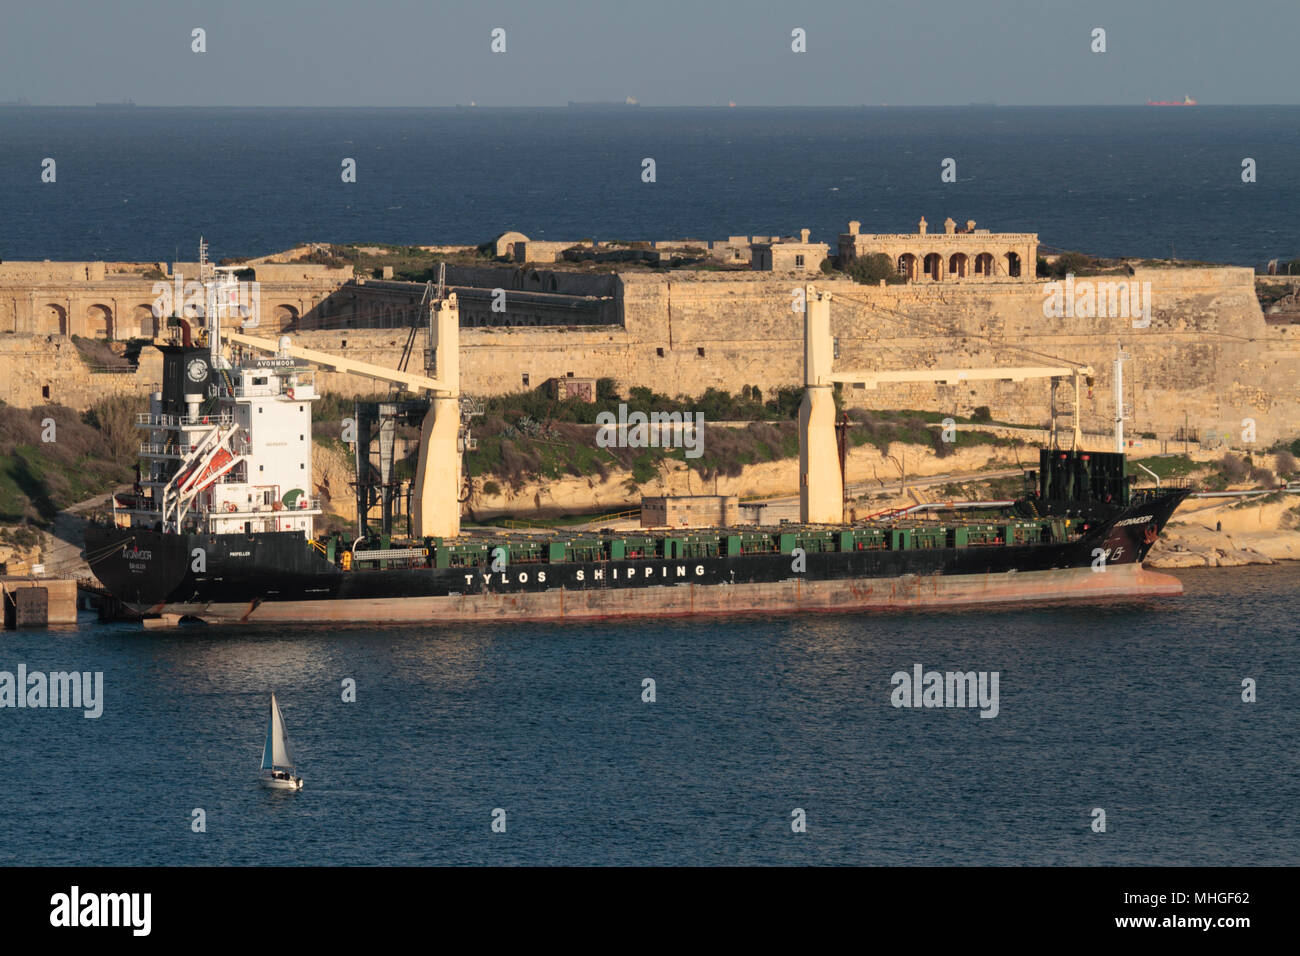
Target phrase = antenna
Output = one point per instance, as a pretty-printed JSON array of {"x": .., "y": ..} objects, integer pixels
[
  {"x": 211, "y": 312},
  {"x": 1120, "y": 359}
]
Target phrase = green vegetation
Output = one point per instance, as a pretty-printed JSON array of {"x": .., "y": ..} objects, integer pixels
[
  {"x": 529, "y": 435},
  {"x": 1177, "y": 264},
  {"x": 1291, "y": 447},
  {"x": 1077, "y": 264},
  {"x": 23, "y": 537},
  {"x": 1216, "y": 475},
  {"x": 1166, "y": 466},
  {"x": 991, "y": 489},
  {"x": 96, "y": 353},
  {"x": 1286, "y": 463},
  {"x": 1270, "y": 292},
  {"x": 88, "y": 455},
  {"x": 715, "y": 404},
  {"x": 915, "y": 428},
  {"x": 868, "y": 270},
  {"x": 411, "y": 263}
]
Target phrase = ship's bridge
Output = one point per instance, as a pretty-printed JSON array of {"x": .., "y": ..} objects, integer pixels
[{"x": 234, "y": 458}]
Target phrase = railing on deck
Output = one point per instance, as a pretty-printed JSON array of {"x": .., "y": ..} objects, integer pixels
[{"x": 176, "y": 421}]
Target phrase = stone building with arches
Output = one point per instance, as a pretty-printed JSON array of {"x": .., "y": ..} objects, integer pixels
[
  {"x": 116, "y": 300},
  {"x": 958, "y": 254}
]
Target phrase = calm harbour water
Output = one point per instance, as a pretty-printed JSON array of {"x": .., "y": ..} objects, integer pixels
[
  {"x": 1134, "y": 707},
  {"x": 144, "y": 184}
]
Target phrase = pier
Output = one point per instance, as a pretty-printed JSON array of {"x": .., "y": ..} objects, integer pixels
[{"x": 38, "y": 601}]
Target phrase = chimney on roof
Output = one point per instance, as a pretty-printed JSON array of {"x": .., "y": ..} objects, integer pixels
[
  {"x": 970, "y": 225},
  {"x": 949, "y": 226},
  {"x": 803, "y": 235},
  {"x": 854, "y": 226},
  {"x": 922, "y": 226}
]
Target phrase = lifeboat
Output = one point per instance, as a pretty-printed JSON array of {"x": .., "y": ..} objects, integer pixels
[{"x": 200, "y": 482}]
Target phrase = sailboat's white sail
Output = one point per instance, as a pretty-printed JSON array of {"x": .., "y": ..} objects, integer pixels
[{"x": 276, "y": 753}]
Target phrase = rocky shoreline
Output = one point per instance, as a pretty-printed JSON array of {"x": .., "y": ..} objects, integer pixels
[{"x": 1229, "y": 536}]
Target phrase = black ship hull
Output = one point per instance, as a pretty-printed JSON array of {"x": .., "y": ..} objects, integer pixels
[{"x": 281, "y": 577}]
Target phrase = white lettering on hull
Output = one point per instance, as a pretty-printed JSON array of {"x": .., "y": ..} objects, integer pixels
[{"x": 507, "y": 578}]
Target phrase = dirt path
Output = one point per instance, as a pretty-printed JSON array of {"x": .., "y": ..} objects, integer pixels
[{"x": 65, "y": 540}]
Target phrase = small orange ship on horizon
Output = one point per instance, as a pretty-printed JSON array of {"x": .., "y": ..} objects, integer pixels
[{"x": 1185, "y": 101}]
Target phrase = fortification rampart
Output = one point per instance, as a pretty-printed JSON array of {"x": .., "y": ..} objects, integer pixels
[
  {"x": 1206, "y": 360},
  {"x": 115, "y": 300}
]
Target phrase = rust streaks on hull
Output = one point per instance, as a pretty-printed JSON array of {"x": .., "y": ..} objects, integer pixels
[{"x": 687, "y": 600}]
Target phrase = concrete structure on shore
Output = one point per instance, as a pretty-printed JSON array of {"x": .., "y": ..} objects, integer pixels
[
  {"x": 37, "y": 601},
  {"x": 690, "y": 511}
]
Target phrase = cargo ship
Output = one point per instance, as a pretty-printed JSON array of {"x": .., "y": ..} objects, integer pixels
[
  {"x": 220, "y": 526},
  {"x": 1185, "y": 101}
]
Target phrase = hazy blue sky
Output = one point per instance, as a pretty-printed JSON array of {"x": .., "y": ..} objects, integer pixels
[{"x": 663, "y": 52}]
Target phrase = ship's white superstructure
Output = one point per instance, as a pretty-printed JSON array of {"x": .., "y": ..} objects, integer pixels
[
  {"x": 236, "y": 461},
  {"x": 228, "y": 451}
]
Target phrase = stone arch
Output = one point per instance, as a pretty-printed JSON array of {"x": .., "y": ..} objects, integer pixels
[
  {"x": 52, "y": 319},
  {"x": 907, "y": 266},
  {"x": 99, "y": 322},
  {"x": 1013, "y": 264},
  {"x": 984, "y": 264},
  {"x": 286, "y": 317},
  {"x": 145, "y": 322},
  {"x": 502, "y": 244},
  {"x": 934, "y": 266},
  {"x": 958, "y": 265}
]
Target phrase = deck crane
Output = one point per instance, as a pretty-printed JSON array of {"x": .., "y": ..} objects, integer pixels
[
  {"x": 821, "y": 484},
  {"x": 435, "y": 509}
]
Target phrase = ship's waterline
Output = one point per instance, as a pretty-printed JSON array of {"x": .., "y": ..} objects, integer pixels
[{"x": 785, "y": 597}]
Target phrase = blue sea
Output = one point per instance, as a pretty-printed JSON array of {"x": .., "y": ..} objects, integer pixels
[
  {"x": 1131, "y": 707},
  {"x": 145, "y": 183}
]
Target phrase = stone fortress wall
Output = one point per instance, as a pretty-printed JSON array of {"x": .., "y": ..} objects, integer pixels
[{"x": 1208, "y": 358}]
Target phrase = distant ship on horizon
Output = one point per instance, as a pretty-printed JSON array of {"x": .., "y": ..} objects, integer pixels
[
  {"x": 1185, "y": 101},
  {"x": 628, "y": 103}
]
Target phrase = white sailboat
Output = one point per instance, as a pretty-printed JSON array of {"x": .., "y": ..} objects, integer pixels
[{"x": 277, "y": 759}]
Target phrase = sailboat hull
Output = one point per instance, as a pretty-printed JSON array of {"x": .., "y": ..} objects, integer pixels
[{"x": 281, "y": 783}]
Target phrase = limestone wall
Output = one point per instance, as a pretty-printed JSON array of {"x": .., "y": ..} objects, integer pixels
[
  {"x": 1207, "y": 356},
  {"x": 39, "y": 370}
]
